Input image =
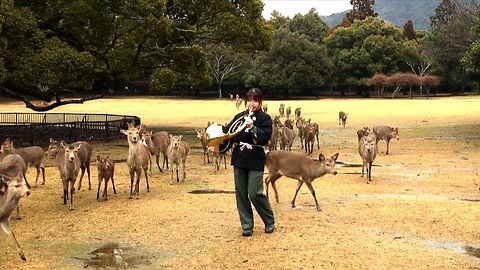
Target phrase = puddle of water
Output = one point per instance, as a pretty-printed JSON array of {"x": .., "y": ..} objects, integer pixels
[
  {"x": 455, "y": 247},
  {"x": 211, "y": 191},
  {"x": 112, "y": 256}
]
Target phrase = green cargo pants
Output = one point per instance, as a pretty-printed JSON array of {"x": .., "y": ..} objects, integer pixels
[{"x": 249, "y": 188}]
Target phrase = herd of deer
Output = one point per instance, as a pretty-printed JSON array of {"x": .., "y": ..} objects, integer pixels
[{"x": 142, "y": 144}]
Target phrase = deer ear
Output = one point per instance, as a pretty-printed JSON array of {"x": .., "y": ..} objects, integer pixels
[
  {"x": 334, "y": 157},
  {"x": 98, "y": 157},
  {"x": 321, "y": 157}
]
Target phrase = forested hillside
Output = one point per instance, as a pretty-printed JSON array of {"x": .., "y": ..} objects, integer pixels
[{"x": 398, "y": 12}]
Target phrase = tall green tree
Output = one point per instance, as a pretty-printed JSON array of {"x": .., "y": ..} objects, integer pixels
[
  {"x": 471, "y": 59},
  {"x": 361, "y": 9},
  {"x": 297, "y": 60},
  {"x": 449, "y": 40},
  {"x": 53, "y": 48},
  {"x": 366, "y": 48},
  {"x": 408, "y": 31}
]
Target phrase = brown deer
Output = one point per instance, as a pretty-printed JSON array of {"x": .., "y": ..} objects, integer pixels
[
  {"x": 68, "y": 164},
  {"x": 287, "y": 137},
  {"x": 301, "y": 125},
  {"x": 265, "y": 107},
  {"x": 138, "y": 159},
  {"x": 157, "y": 143},
  {"x": 84, "y": 154},
  {"x": 13, "y": 165},
  {"x": 298, "y": 111},
  {"x": 288, "y": 112},
  {"x": 342, "y": 118},
  {"x": 12, "y": 189},
  {"x": 281, "y": 110},
  {"x": 385, "y": 133},
  {"x": 367, "y": 148},
  {"x": 106, "y": 170},
  {"x": 365, "y": 131},
  {"x": 202, "y": 137},
  {"x": 177, "y": 153},
  {"x": 310, "y": 132},
  {"x": 300, "y": 167},
  {"x": 32, "y": 156},
  {"x": 238, "y": 102}
]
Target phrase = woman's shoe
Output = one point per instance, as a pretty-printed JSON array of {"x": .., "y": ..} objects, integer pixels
[
  {"x": 270, "y": 228},
  {"x": 247, "y": 233}
]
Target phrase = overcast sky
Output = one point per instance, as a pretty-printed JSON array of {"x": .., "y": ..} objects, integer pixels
[{"x": 289, "y": 8}]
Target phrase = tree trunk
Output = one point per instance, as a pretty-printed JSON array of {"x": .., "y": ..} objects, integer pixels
[{"x": 219, "y": 90}]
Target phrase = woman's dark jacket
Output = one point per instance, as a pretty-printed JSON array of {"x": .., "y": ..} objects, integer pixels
[{"x": 258, "y": 136}]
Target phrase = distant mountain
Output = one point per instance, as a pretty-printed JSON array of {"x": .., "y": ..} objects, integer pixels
[{"x": 397, "y": 12}]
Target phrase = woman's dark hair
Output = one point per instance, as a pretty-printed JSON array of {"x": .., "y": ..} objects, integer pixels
[{"x": 254, "y": 94}]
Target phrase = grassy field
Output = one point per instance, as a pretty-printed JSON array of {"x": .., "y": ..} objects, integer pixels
[{"x": 421, "y": 210}]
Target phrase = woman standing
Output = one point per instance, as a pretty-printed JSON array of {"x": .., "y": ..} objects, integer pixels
[{"x": 248, "y": 159}]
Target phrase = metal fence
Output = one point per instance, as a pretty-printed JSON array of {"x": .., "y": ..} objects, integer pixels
[{"x": 37, "y": 128}]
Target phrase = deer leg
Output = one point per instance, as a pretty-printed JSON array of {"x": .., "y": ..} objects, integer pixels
[
  {"x": 225, "y": 160},
  {"x": 132, "y": 174},
  {"x": 318, "y": 143},
  {"x": 157, "y": 156},
  {"x": 105, "y": 190},
  {"x": 99, "y": 184},
  {"x": 177, "y": 174},
  {"x": 299, "y": 185},
  {"x": 88, "y": 172},
  {"x": 81, "y": 177},
  {"x": 26, "y": 182},
  {"x": 137, "y": 185},
  {"x": 65, "y": 195},
  {"x": 388, "y": 142},
  {"x": 165, "y": 158},
  {"x": 42, "y": 167},
  {"x": 185, "y": 172},
  {"x": 369, "y": 171},
  {"x": 146, "y": 177},
  {"x": 20, "y": 251},
  {"x": 310, "y": 187},
  {"x": 72, "y": 191},
  {"x": 18, "y": 213},
  {"x": 271, "y": 178},
  {"x": 113, "y": 184},
  {"x": 363, "y": 167},
  {"x": 38, "y": 174}
]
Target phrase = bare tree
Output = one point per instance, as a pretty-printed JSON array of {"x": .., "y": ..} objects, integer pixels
[
  {"x": 429, "y": 81},
  {"x": 379, "y": 81},
  {"x": 224, "y": 63}
]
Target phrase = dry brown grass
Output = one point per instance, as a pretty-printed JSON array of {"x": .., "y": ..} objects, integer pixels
[{"x": 400, "y": 221}]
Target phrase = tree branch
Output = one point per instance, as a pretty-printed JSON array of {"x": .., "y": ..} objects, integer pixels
[{"x": 43, "y": 108}]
